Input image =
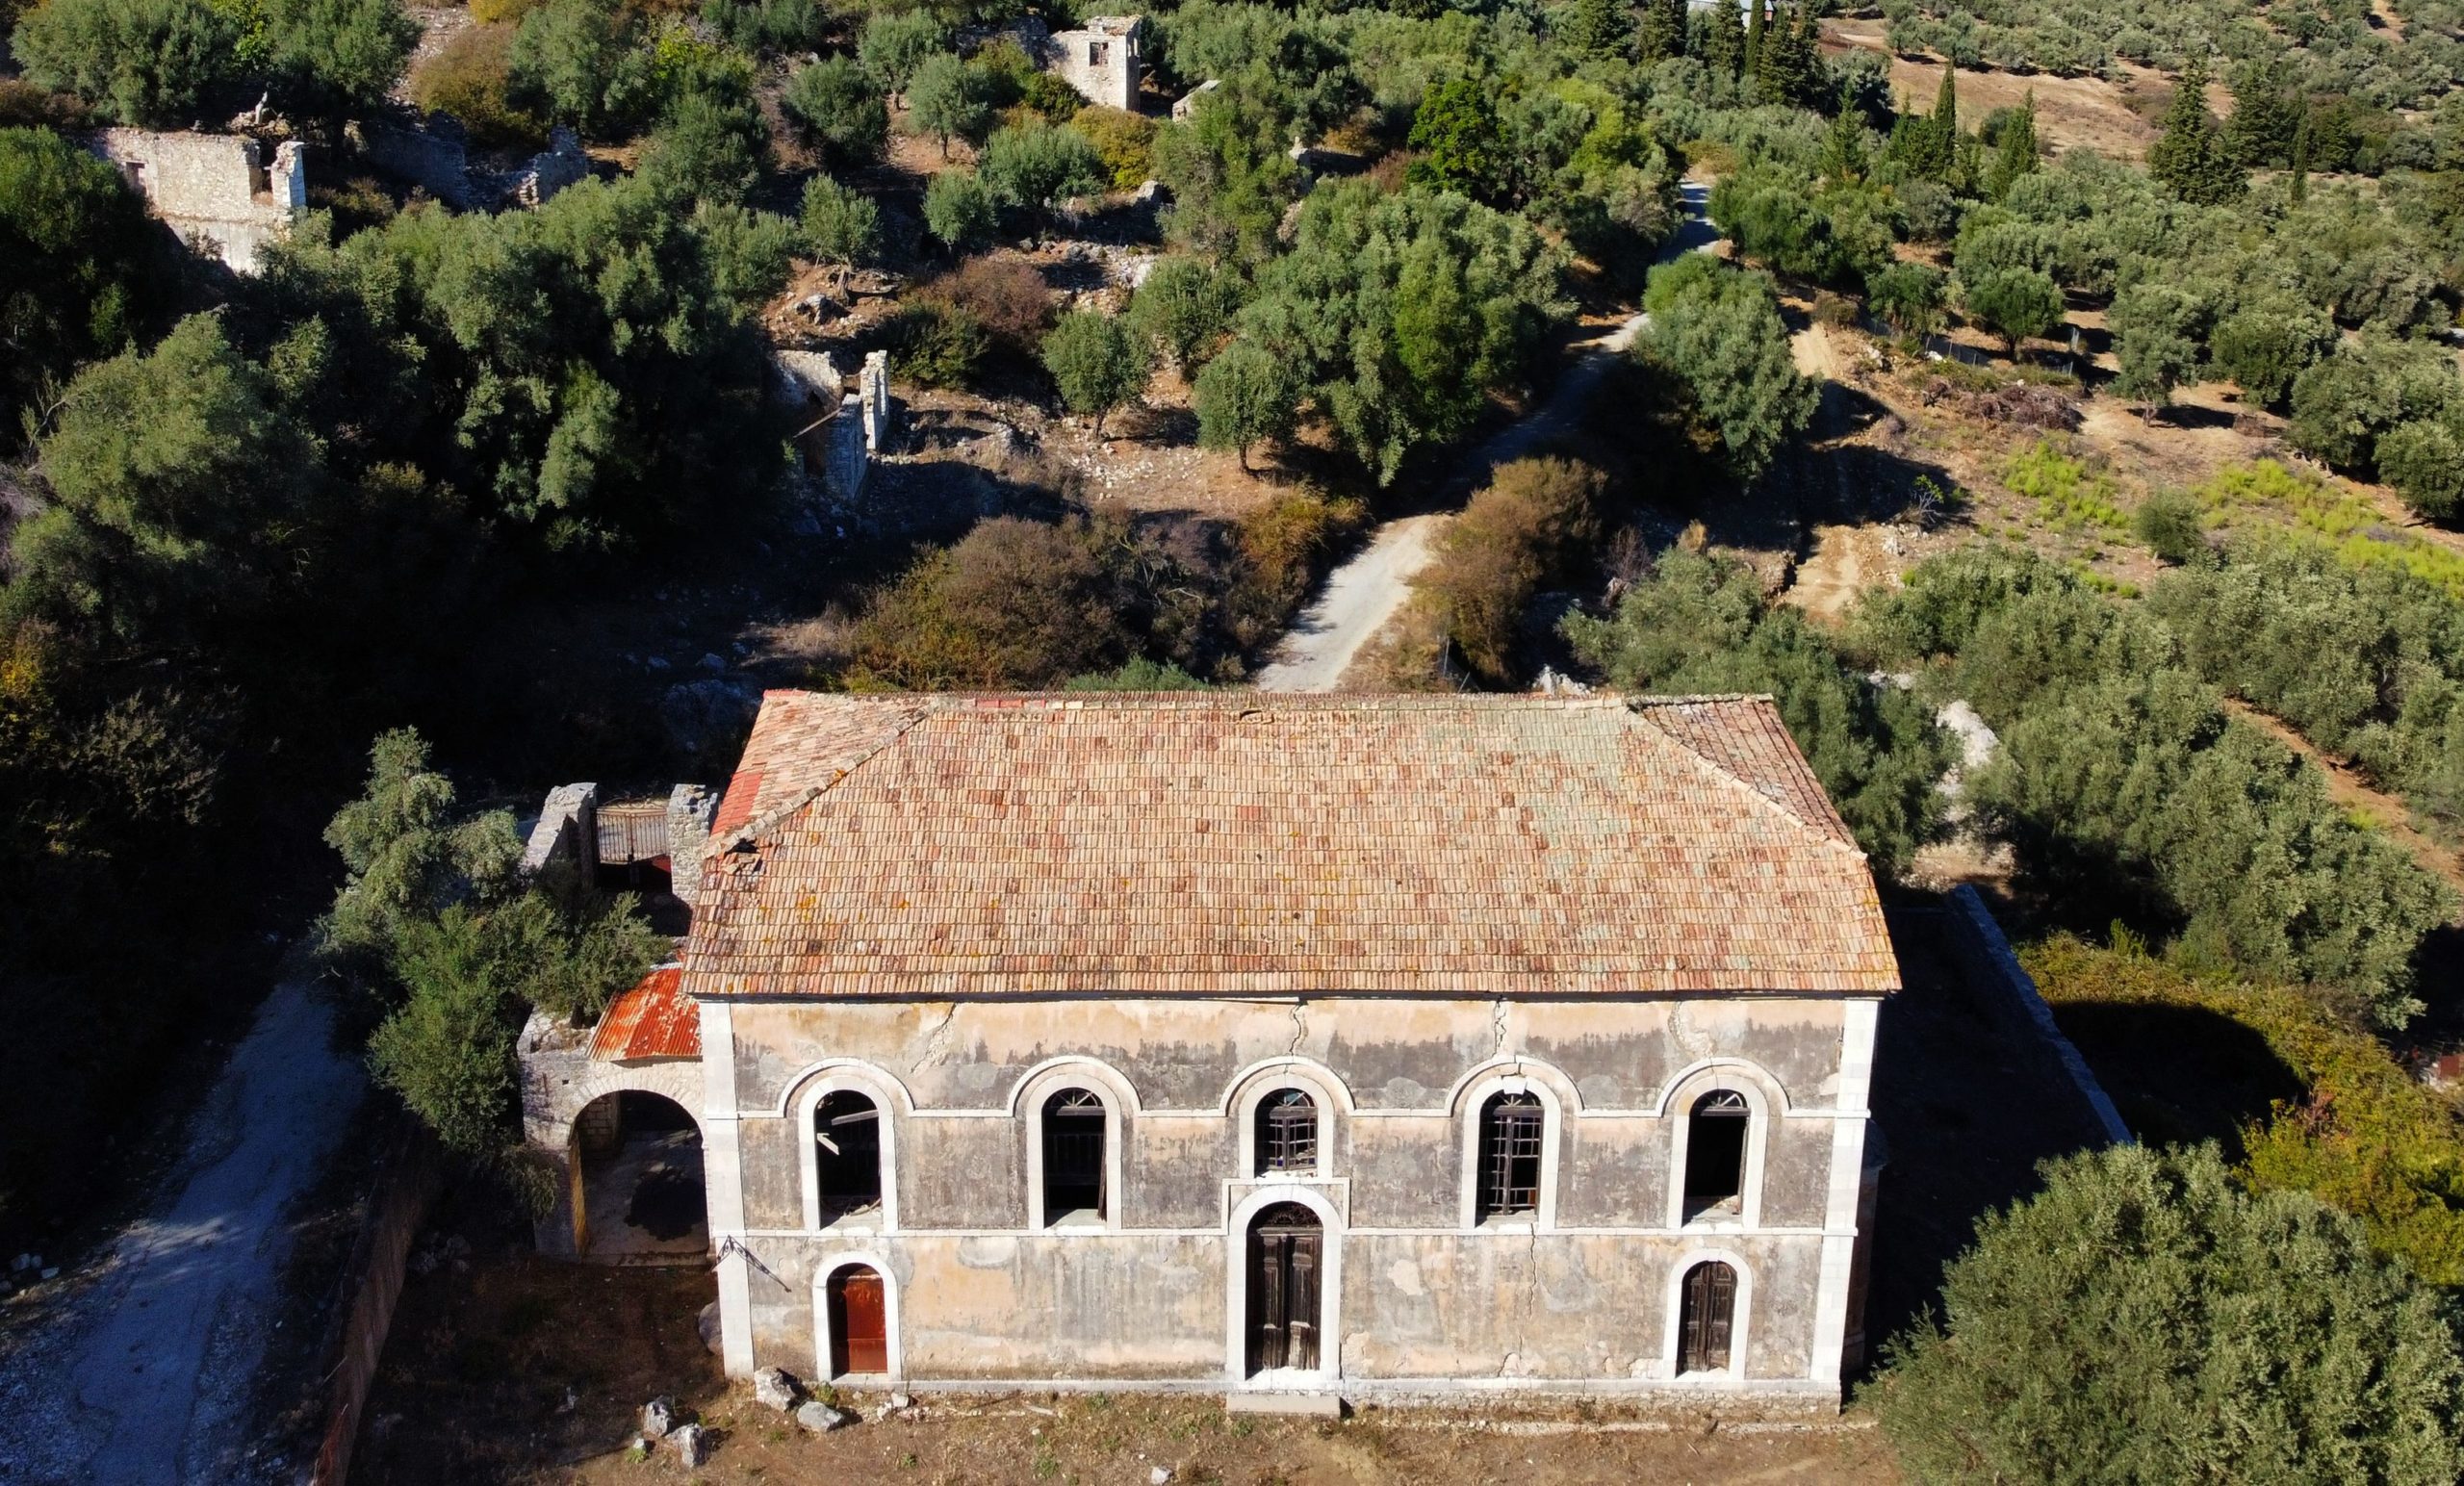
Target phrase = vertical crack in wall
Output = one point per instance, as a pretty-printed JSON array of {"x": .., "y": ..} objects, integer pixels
[
  {"x": 1299, "y": 1028},
  {"x": 937, "y": 1037},
  {"x": 1497, "y": 1020}
]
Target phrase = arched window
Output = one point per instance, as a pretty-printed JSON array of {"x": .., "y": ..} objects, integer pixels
[
  {"x": 1073, "y": 1158},
  {"x": 1715, "y": 1153},
  {"x": 1706, "y": 1318},
  {"x": 1512, "y": 1126},
  {"x": 1287, "y": 1134},
  {"x": 847, "y": 1153}
]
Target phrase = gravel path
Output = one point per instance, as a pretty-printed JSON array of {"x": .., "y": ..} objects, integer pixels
[
  {"x": 143, "y": 1375},
  {"x": 1363, "y": 595}
]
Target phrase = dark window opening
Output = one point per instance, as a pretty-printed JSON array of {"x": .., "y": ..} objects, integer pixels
[
  {"x": 1705, "y": 1317},
  {"x": 1287, "y": 1133},
  {"x": 1511, "y": 1127},
  {"x": 847, "y": 1154},
  {"x": 1715, "y": 1153},
  {"x": 1073, "y": 1158},
  {"x": 1098, "y": 53}
]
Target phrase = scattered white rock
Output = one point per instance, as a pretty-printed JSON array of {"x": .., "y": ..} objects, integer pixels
[
  {"x": 901, "y": 1401},
  {"x": 1160, "y": 1475},
  {"x": 712, "y": 664},
  {"x": 709, "y": 1325},
  {"x": 776, "y": 1388},
  {"x": 821, "y": 1419},
  {"x": 658, "y": 1418},
  {"x": 51, "y": 1273},
  {"x": 693, "y": 1447},
  {"x": 656, "y": 663}
]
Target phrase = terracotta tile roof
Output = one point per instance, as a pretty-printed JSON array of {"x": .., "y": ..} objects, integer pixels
[
  {"x": 1239, "y": 842},
  {"x": 655, "y": 1019}
]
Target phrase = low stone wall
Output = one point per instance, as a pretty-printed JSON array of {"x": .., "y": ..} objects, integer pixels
[
  {"x": 374, "y": 1281},
  {"x": 2010, "y": 996}
]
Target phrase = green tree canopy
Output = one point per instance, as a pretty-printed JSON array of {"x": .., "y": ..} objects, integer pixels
[
  {"x": 2192, "y": 159},
  {"x": 1187, "y": 306},
  {"x": 1401, "y": 313},
  {"x": 947, "y": 98},
  {"x": 147, "y": 63},
  {"x": 2016, "y": 304},
  {"x": 1456, "y": 141},
  {"x": 581, "y": 62},
  {"x": 895, "y": 43},
  {"x": 2145, "y": 1318},
  {"x": 85, "y": 272},
  {"x": 1099, "y": 362},
  {"x": 958, "y": 211},
  {"x": 1035, "y": 167},
  {"x": 838, "y": 105},
  {"x": 1719, "y": 329},
  {"x": 1245, "y": 394}
]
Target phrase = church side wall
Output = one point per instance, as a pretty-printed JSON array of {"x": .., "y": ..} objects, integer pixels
[{"x": 1582, "y": 1298}]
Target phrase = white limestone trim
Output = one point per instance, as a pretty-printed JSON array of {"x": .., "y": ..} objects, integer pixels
[
  {"x": 1756, "y": 1088},
  {"x": 1292, "y": 1063},
  {"x": 1123, "y": 1093},
  {"x": 1466, "y": 1104},
  {"x": 1739, "y": 1325},
  {"x": 893, "y": 1343},
  {"x": 1236, "y": 1291},
  {"x": 1027, "y": 1099},
  {"x": 849, "y": 1076},
  {"x": 1845, "y": 1187},
  {"x": 1678, "y": 1091},
  {"x": 885, "y": 1077},
  {"x": 1481, "y": 1076},
  {"x": 1273, "y": 1079}
]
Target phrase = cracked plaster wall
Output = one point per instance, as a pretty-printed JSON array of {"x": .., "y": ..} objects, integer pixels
[{"x": 991, "y": 1303}]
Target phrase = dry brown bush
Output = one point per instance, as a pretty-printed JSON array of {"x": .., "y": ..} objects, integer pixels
[
  {"x": 1007, "y": 296},
  {"x": 467, "y": 79},
  {"x": 1535, "y": 516}
]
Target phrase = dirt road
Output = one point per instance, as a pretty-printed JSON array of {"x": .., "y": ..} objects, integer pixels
[
  {"x": 1363, "y": 595},
  {"x": 143, "y": 1375}
]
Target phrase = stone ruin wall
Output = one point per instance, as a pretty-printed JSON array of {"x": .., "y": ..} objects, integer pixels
[{"x": 214, "y": 190}]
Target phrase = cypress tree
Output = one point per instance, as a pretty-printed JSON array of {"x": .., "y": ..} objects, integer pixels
[
  {"x": 1601, "y": 27},
  {"x": 1663, "y": 30},
  {"x": 1946, "y": 108},
  {"x": 1724, "y": 41},
  {"x": 1843, "y": 153},
  {"x": 2018, "y": 152},
  {"x": 1754, "y": 34},
  {"x": 2191, "y": 158},
  {"x": 2301, "y": 159}
]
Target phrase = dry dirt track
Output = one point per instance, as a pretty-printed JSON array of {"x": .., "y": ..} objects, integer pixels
[
  {"x": 1363, "y": 595},
  {"x": 143, "y": 1375}
]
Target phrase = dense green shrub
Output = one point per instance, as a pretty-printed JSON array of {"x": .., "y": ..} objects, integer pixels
[
  {"x": 1035, "y": 167},
  {"x": 147, "y": 63},
  {"x": 581, "y": 62},
  {"x": 958, "y": 211},
  {"x": 838, "y": 107},
  {"x": 1124, "y": 141},
  {"x": 1099, "y": 362},
  {"x": 936, "y": 343},
  {"x": 895, "y": 42},
  {"x": 85, "y": 277},
  {"x": 948, "y": 99},
  {"x": 1698, "y": 625},
  {"x": 1245, "y": 395},
  {"x": 1187, "y": 306},
  {"x": 2168, "y": 522},
  {"x": 840, "y": 226},
  {"x": 2120, "y": 770},
  {"x": 767, "y": 25},
  {"x": 2145, "y": 1318},
  {"x": 1720, "y": 330}
]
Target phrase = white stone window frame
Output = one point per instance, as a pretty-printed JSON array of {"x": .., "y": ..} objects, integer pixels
[
  {"x": 889, "y": 1100},
  {"x": 1329, "y": 1371},
  {"x": 1027, "y": 1100},
  {"x": 1740, "y": 1320},
  {"x": 1471, "y": 1098},
  {"x": 893, "y": 1345},
  {"x": 1256, "y": 1086},
  {"x": 1763, "y": 1104}
]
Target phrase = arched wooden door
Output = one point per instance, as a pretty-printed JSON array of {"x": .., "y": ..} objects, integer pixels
[
  {"x": 1706, "y": 1318},
  {"x": 859, "y": 1322},
  {"x": 1287, "y": 1248}
]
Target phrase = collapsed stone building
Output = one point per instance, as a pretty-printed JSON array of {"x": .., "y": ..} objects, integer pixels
[
  {"x": 432, "y": 152},
  {"x": 845, "y": 433},
  {"x": 1297, "y": 1047},
  {"x": 1100, "y": 59},
  {"x": 218, "y": 193}
]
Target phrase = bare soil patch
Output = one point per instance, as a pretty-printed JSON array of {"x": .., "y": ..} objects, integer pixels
[{"x": 2072, "y": 112}]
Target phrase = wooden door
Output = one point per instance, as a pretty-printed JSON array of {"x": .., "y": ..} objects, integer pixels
[
  {"x": 859, "y": 1322},
  {"x": 1706, "y": 1318},
  {"x": 1284, "y": 1251}
]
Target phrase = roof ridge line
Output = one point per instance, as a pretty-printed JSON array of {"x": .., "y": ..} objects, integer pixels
[
  {"x": 778, "y": 816},
  {"x": 1735, "y": 780}
]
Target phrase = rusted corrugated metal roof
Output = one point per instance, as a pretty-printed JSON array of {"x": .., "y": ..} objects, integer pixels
[
  {"x": 632, "y": 830},
  {"x": 655, "y": 1019}
]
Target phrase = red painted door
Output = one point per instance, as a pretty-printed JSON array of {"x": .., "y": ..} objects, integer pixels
[{"x": 859, "y": 1322}]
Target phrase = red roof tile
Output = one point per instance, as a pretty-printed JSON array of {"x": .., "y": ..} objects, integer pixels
[
  {"x": 1241, "y": 842},
  {"x": 655, "y": 1019}
]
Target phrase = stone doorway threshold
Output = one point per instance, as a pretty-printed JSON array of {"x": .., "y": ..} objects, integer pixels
[{"x": 1324, "y": 1405}]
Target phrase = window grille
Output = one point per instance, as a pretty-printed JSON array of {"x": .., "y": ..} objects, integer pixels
[
  {"x": 1512, "y": 1126},
  {"x": 1287, "y": 1133}
]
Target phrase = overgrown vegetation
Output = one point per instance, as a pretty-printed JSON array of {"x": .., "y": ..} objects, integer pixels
[
  {"x": 2144, "y": 1318},
  {"x": 2130, "y": 789}
]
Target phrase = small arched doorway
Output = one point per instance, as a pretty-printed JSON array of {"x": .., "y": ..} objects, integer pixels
[
  {"x": 1286, "y": 1267},
  {"x": 1706, "y": 1319},
  {"x": 637, "y": 1189},
  {"x": 856, "y": 1320}
]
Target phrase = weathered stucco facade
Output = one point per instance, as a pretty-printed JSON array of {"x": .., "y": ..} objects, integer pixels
[
  {"x": 1403, "y": 1047},
  {"x": 1424, "y": 1298}
]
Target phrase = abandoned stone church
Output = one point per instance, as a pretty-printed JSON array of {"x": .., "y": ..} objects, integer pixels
[{"x": 1391, "y": 1047}]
